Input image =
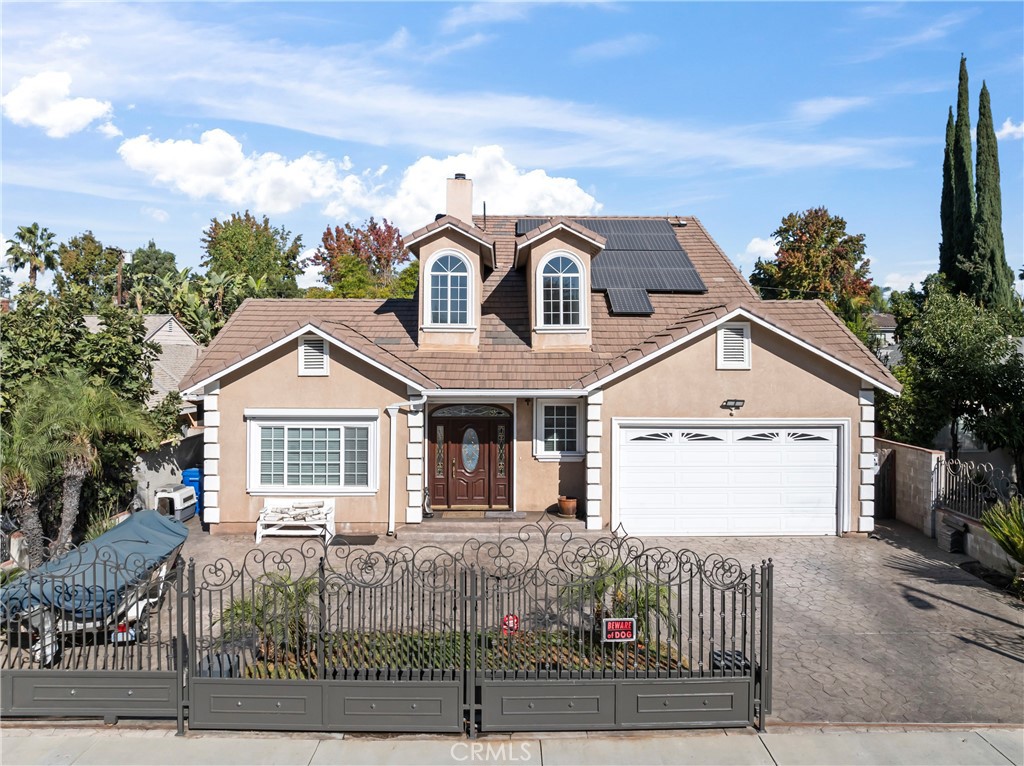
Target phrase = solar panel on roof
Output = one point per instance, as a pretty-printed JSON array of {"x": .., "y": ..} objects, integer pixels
[
  {"x": 639, "y": 254},
  {"x": 629, "y": 300}
]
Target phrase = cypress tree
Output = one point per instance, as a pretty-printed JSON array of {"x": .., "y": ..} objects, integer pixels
[
  {"x": 991, "y": 275},
  {"x": 963, "y": 188},
  {"x": 947, "y": 255}
]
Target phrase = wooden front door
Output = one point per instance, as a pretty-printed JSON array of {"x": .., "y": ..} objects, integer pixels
[{"x": 470, "y": 460}]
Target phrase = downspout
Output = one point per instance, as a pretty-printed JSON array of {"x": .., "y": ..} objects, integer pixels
[{"x": 392, "y": 410}]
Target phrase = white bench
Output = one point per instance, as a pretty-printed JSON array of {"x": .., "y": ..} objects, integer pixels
[{"x": 295, "y": 517}]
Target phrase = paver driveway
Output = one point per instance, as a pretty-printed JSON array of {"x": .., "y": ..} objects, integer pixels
[{"x": 887, "y": 630}]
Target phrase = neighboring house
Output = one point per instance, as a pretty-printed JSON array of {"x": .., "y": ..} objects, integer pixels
[
  {"x": 883, "y": 328},
  {"x": 623, "y": 361},
  {"x": 178, "y": 352}
]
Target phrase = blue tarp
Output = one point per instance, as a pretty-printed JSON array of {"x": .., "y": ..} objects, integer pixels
[{"x": 89, "y": 583}]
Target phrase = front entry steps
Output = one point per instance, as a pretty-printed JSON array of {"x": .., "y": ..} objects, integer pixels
[{"x": 458, "y": 526}]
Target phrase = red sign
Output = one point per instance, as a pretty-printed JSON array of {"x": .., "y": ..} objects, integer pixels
[
  {"x": 619, "y": 629},
  {"x": 509, "y": 624}
]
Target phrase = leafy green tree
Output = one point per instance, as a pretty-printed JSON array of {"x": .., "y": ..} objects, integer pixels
[
  {"x": 153, "y": 261},
  {"x": 1000, "y": 422},
  {"x": 363, "y": 262},
  {"x": 32, "y": 246},
  {"x": 71, "y": 410},
  {"x": 27, "y": 457},
  {"x": 963, "y": 187},
  {"x": 818, "y": 258},
  {"x": 118, "y": 354},
  {"x": 6, "y": 283},
  {"x": 87, "y": 265},
  {"x": 991, "y": 276},
  {"x": 408, "y": 281},
  {"x": 947, "y": 251},
  {"x": 247, "y": 246},
  {"x": 954, "y": 353},
  {"x": 41, "y": 337}
]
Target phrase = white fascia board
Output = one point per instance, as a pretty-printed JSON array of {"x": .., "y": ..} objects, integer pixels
[
  {"x": 426, "y": 235},
  {"x": 305, "y": 330},
  {"x": 731, "y": 317},
  {"x": 526, "y": 244}
]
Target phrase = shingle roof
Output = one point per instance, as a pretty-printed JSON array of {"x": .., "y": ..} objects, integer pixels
[{"x": 387, "y": 330}]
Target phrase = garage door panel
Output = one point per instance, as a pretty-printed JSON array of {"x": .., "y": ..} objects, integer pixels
[{"x": 747, "y": 481}]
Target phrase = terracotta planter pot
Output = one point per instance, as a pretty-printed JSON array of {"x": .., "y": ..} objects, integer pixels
[{"x": 567, "y": 507}]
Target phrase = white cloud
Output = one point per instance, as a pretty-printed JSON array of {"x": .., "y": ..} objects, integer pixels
[
  {"x": 898, "y": 281},
  {"x": 217, "y": 167},
  {"x": 110, "y": 130},
  {"x": 157, "y": 214},
  {"x": 505, "y": 188},
  {"x": 818, "y": 110},
  {"x": 615, "y": 48},
  {"x": 764, "y": 249},
  {"x": 311, "y": 276},
  {"x": 1011, "y": 130},
  {"x": 479, "y": 14},
  {"x": 43, "y": 100},
  {"x": 938, "y": 29}
]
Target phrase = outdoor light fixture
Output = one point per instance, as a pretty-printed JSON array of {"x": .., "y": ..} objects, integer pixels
[{"x": 733, "y": 404}]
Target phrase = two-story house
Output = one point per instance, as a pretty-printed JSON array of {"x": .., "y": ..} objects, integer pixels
[{"x": 623, "y": 361}]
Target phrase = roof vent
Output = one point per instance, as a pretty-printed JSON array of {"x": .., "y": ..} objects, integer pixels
[
  {"x": 439, "y": 216},
  {"x": 460, "y": 176}
]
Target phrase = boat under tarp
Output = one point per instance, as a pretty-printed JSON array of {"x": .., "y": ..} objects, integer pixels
[{"x": 90, "y": 583}]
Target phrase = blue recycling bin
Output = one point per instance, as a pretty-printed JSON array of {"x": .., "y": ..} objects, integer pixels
[{"x": 193, "y": 477}]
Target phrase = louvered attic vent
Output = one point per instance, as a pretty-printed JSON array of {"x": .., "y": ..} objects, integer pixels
[
  {"x": 734, "y": 347},
  {"x": 313, "y": 356}
]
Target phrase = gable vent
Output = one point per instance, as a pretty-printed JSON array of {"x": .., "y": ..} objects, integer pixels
[
  {"x": 734, "y": 347},
  {"x": 312, "y": 356}
]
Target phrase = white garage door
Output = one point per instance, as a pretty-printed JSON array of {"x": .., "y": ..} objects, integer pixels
[{"x": 727, "y": 481}]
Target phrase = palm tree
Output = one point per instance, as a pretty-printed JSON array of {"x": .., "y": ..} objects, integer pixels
[
  {"x": 32, "y": 246},
  {"x": 70, "y": 409},
  {"x": 27, "y": 458}
]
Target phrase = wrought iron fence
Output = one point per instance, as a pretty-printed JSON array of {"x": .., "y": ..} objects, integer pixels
[
  {"x": 971, "y": 488},
  {"x": 355, "y": 632}
]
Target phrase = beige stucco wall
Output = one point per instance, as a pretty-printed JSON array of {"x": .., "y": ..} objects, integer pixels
[
  {"x": 785, "y": 381},
  {"x": 538, "y": 484},
  {"x": 451, "y": 339},
  {"x": 559, "y": 341},
  {"x": 273, "y": 381}
]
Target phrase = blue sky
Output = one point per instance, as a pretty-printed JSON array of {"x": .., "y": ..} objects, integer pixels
[{"x": 145, "y": 120}]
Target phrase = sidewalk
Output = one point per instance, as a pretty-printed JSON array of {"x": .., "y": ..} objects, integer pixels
[{"x": 780, "y": 746}]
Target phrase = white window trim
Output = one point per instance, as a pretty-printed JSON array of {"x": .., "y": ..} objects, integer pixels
[
  {"x": 538, "y": 296},
  {"x": 721, "y": 362},
  {"x": 547, "y": 456},
  {"x": 306, "y": 419},
  {"x": 470, "y": 325},
  {"x": 311, "y": 341}
]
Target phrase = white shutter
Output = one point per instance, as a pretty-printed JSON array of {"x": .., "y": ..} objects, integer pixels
[
  {"x": 734, "y": 347},
  {"x": 312, "y": 356}
]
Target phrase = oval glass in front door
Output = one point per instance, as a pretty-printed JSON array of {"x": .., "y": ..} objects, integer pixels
[{"x": 470, "y": 450}]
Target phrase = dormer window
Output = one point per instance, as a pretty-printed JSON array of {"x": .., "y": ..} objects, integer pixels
[
  {"x": 449, "y": 290},
  {"x": 560, "y": 303}
]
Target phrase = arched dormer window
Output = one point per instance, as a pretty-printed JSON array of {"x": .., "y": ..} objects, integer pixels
[
  {"x": 560, "y": 302},
  {"x": 449, "y": 290}
]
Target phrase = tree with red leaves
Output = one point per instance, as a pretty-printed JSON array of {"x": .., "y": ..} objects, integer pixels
[
  {"x": 363, "y": 262},
  {"x": 817, "y": 258}
]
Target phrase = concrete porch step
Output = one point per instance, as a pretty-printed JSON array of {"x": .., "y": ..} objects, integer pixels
[{"x": 441, "y": 530}]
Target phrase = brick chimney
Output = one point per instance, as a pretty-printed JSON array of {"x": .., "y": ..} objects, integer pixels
[{"x": 460, "y": 198}]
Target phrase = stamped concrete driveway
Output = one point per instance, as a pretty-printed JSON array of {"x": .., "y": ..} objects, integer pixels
[
  {"x": 866, "y": 631},
  {"x": 887, "y": 630}
]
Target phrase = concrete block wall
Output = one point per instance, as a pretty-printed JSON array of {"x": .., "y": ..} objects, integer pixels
[{"x": 914, "y": 491}]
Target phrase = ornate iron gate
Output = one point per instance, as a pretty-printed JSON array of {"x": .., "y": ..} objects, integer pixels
[{"x": 538, "y": 631}]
